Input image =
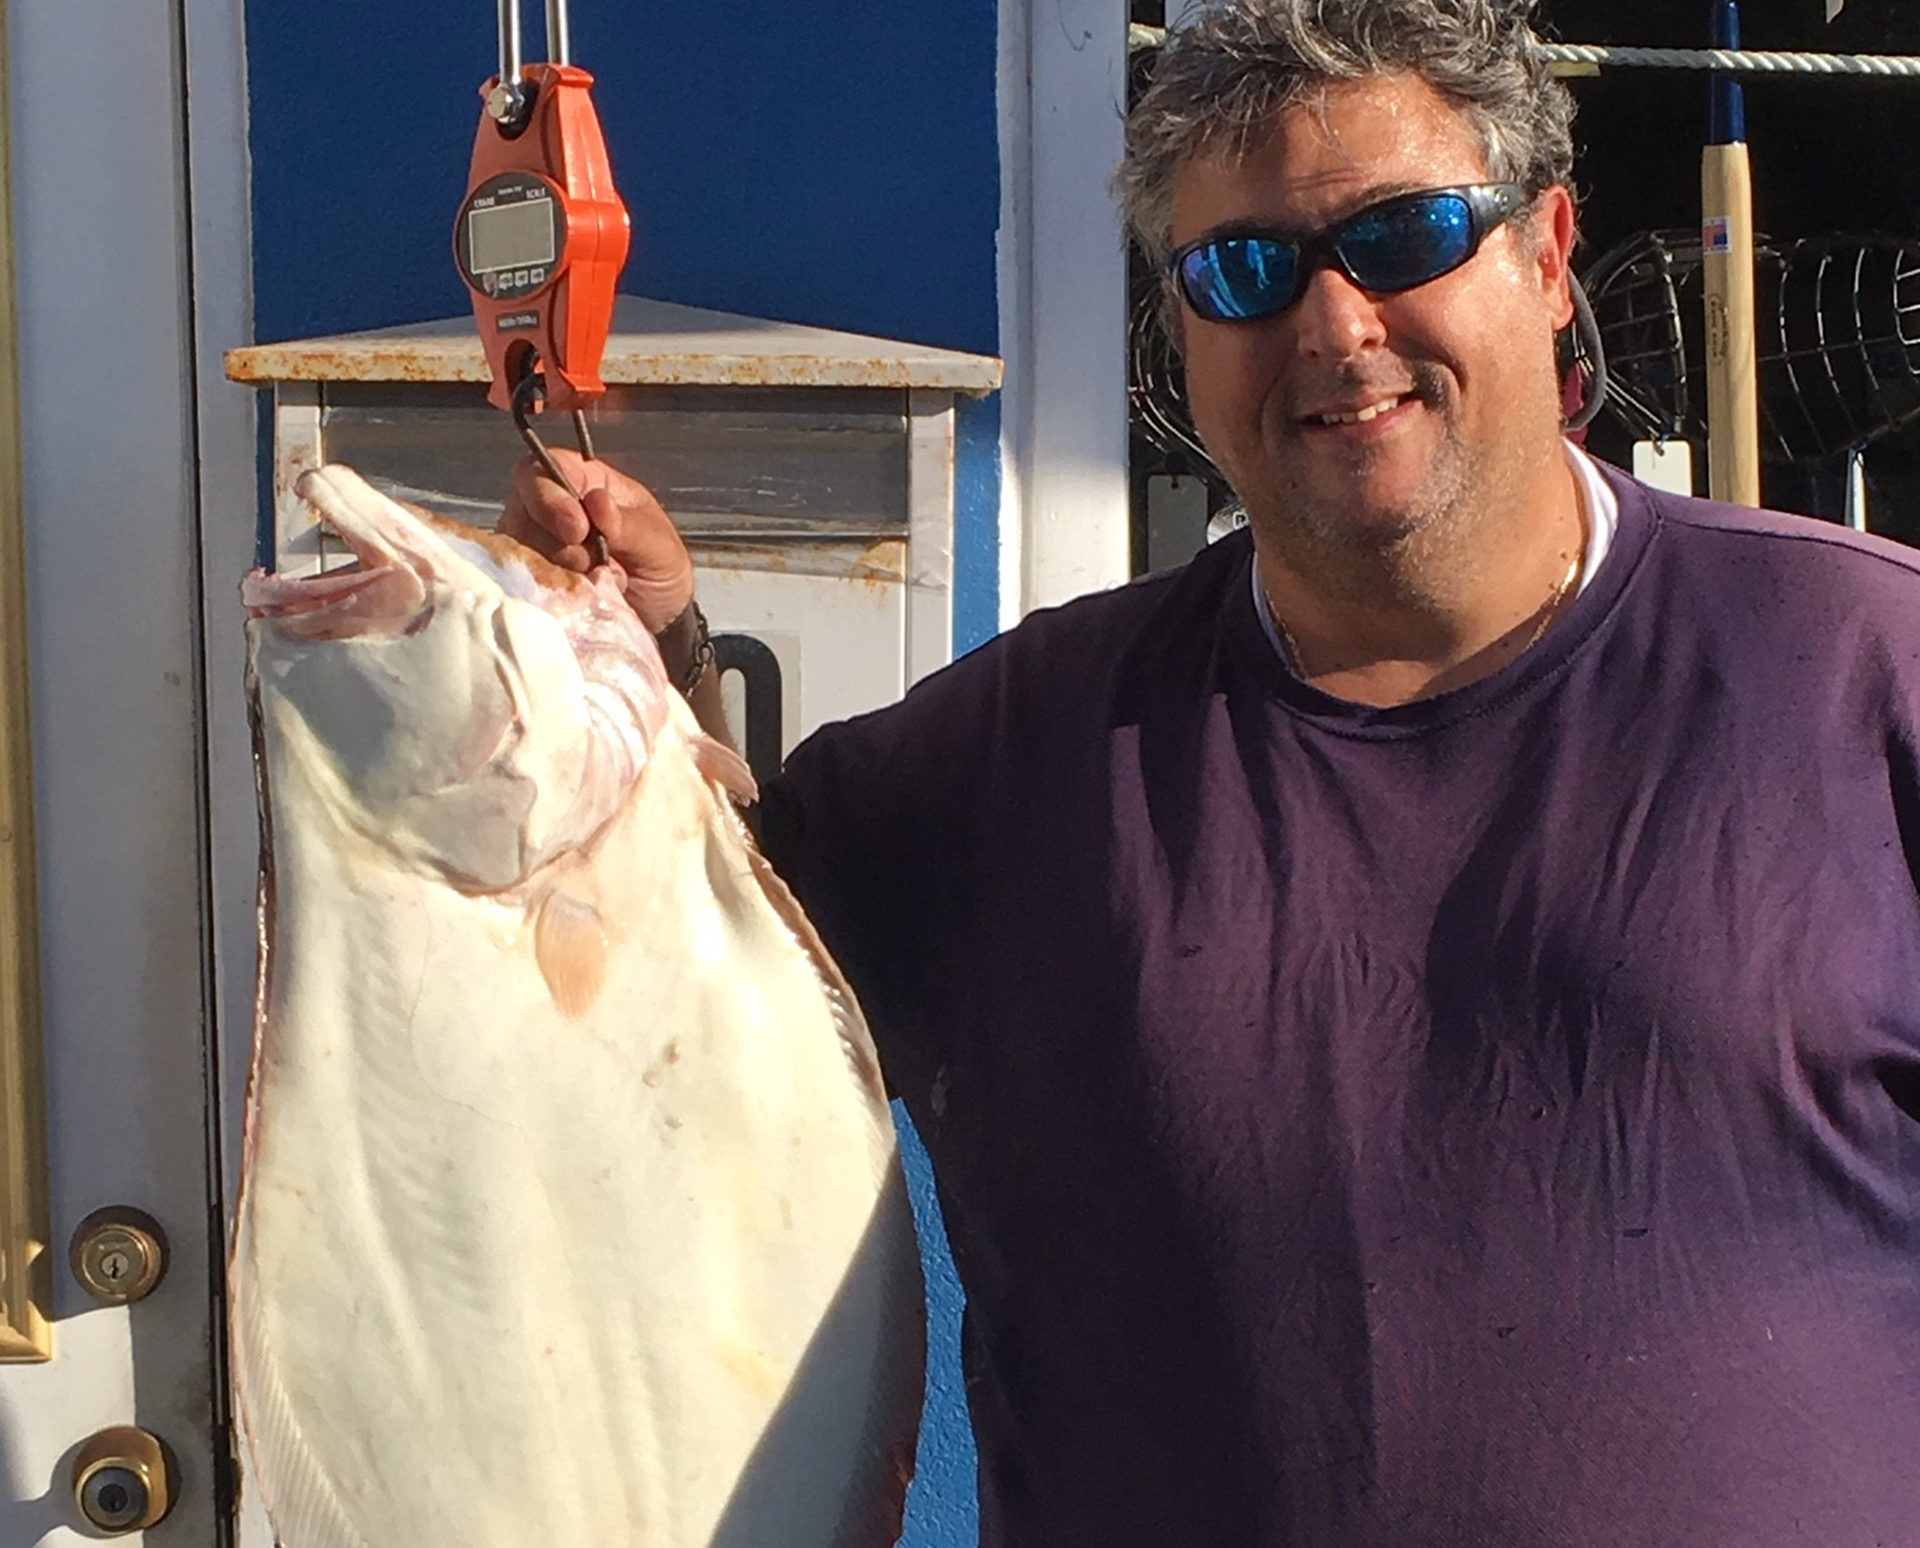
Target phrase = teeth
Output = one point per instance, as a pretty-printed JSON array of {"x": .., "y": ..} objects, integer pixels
[{"x": 1361, "y": 416}]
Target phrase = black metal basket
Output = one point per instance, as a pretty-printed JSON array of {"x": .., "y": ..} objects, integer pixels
[{"x": 1837, "y": 334}]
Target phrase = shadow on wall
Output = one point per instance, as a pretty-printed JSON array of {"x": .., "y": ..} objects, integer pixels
[
  {"x": 26, "y": 1517},
  {"x": 32, "y": 1508}
]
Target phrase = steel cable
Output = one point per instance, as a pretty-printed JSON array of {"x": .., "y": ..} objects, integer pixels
[{"x": 1736, "y": 61}]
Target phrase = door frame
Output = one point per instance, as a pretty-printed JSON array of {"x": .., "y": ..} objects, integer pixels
[
  {"x": 228, "y": 485},
  {"x": 1065, "y": 523}
]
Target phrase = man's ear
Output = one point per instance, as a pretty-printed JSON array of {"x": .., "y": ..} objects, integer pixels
[{"x": 1555, "y": 226}]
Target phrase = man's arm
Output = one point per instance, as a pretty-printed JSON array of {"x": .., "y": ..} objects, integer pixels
[{"x": 683, "y": 643}]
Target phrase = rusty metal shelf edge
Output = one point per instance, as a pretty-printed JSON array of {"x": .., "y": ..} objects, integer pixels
[{"x": 653, "y": 343}]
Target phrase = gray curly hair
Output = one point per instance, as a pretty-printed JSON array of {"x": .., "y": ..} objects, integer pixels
[{"x": 1222, "y": 77}]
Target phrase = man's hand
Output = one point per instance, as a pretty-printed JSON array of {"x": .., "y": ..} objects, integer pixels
[{"x": 645, "y": 552}]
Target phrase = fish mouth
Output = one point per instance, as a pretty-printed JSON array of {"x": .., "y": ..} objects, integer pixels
[{"x": 382, "y": 590}]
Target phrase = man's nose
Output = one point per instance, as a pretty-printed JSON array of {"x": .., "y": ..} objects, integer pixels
[{"x": 1334, "y": 318}]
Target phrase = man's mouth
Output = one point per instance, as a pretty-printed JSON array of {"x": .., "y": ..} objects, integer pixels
[{"x": 1362, "y": 414}]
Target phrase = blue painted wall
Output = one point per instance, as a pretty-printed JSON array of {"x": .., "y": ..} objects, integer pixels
[{"x": 833, "y": 164}]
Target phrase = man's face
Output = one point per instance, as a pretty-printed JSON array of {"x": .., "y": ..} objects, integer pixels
[{"x": 1457, "y": 375}]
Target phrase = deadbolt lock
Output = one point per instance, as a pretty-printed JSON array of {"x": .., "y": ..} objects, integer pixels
[
  {"x": 119, "y": 1254},
  {"x": 123, "y": 1480}
]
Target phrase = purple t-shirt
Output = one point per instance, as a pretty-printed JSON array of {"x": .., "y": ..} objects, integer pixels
[{"x": 1492, "y": 1122}]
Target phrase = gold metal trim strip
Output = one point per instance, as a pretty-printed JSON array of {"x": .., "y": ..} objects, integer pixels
[{"x": 26, "y": 1263}]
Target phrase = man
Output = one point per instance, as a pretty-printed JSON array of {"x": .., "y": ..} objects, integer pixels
[{"x": 1416, "y": 1015}]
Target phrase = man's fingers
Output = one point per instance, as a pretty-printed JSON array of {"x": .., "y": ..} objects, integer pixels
[
  {"x": 647, "y": 558},
  {"x": 516, "y": 524},
  {"x": 604, "y": 515},
  {"x": 544, "y": 502}
]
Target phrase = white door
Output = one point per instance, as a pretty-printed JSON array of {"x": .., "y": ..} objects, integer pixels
[{"x": 115, "y": 458}]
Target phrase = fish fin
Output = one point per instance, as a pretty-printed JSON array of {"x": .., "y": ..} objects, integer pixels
[
  {"x": 875, "y": 1514},
  {"x": 300, "y": 1500},
  {"x": 831, "y": 1466},
  {"x": 725, "y": 767},
  {"x": 855, "y": 1040},
  {"x": 570, "y": 944}
]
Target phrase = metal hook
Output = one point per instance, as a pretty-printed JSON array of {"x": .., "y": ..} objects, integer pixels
[
  {"x": 510, "y": 100},
  {"x": 531, "y": 386}
]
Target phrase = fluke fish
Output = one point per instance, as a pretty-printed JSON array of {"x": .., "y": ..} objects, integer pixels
[{"x": 570, "y": 1212}]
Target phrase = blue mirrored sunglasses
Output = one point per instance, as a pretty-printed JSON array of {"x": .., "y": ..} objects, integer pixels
[{"x": 1393, "y": 245}]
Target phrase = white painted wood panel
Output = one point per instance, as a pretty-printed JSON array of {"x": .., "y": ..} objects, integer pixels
[
  {"x": 1063, "y": 284},
  {"x": 931, "y": 430}
]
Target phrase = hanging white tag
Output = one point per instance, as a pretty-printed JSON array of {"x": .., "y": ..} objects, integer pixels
[
  {"x": 1666, "y": 465},
  {"x": 1857, "y": 490},
  {"x": 1833, "y": 8}
]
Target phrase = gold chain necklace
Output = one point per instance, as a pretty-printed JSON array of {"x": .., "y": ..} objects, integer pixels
[{"x": 1290, "y": 647}]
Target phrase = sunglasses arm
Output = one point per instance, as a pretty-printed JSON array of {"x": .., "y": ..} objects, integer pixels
[{"x": 1587, "y": 336}]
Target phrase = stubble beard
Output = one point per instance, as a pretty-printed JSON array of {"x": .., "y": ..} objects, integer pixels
[{"x": 1415, "y": 548}]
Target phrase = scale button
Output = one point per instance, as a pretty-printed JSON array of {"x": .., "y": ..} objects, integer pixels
[
  {"x": 519, "y": 276},
  {"x": 538, "y": 276}
]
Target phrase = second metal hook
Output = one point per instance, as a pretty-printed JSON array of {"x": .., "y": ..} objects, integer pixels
[{"x": 509, "y": 100}]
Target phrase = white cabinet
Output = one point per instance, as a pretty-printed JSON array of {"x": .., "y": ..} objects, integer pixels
[{"x": 812, "y": 472}]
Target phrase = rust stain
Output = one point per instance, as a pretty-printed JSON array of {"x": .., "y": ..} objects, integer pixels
[
  {"x": 290, "y": 461},
  {"x": 882, "y": 564},
  {"x": 878, "y": 561},
  {"x": 627, "y": 363},
  {"x": 653, "y": 343},
  {"x": 322, "y": 361}
]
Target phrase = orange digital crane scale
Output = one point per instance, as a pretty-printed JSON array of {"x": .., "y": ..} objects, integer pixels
[{"x": 542, "y": 235}]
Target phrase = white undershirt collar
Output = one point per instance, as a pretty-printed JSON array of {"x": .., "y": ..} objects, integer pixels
[{"x": 1598, "y": 502}]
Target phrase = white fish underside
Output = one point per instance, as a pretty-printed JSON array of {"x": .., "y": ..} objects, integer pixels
[{"x": 571, "y": 1211}]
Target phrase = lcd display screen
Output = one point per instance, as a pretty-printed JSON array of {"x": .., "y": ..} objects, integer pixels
[{"x": 511, "y": 236}]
